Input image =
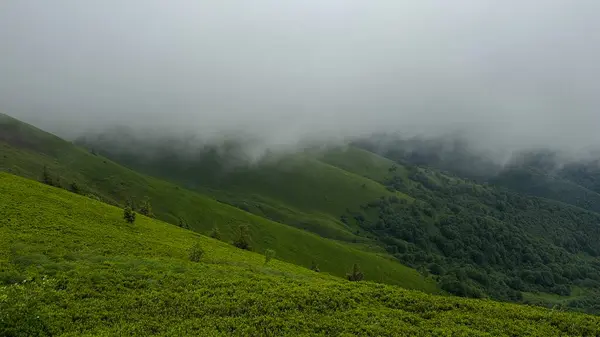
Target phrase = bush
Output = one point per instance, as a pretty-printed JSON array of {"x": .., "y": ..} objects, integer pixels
[
  {"x": 183, "y": 224},
  {"x": 46, "y": 179},
  {"x": 356, "y": 274},
  {"x": 146, "y": 208},
  {"x": 74, "y": 187},
  {"x": 436, "y": 269},
  {"x": 196, "y": 252},
  {"x": 269, "y": 254},
  {"x": 215, "y": 233},
  {"x": 243, "y": 239},
  {"x": 129, "y": 214}
]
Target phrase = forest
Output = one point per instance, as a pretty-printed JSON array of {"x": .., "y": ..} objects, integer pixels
[{"x": 482, "y": 240}]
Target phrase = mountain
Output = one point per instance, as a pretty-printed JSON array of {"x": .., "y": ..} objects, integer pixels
[
  {"x": 300, "y": 189},
  {"x": 471, "y": 236},
  {"x": 71, "y": 265},
  {"x": 27, "y": 151},
  {"x": 475, "y": 236},
  {"x": 542, "y": 173}
]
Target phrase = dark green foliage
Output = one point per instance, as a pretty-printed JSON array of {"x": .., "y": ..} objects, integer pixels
[
  {"x": 46, "y": 178},
  {"x": 195, "y": 253},
  {"x": 459, "y": 287},
  {"x": 182, "y": 223},
  {"x": 480, "y": 240},
  {"x": 74, "y": 187},
  {"x": 11, "y": 277},
  {"x": 129, "y": 214},
  {"x": 215, "y": 233},
  {"x": 436, "y": 269},
  {"x": 356, "y": 274},
  {"x": 146, "y": 208},
  {"x": 269, "y": 255},
  {"x": 314, "y": 267},
  {"x": 243, "y": 240}
]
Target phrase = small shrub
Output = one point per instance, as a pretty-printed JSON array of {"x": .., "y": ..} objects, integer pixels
[
  {"x": 215, "y": 233},
  {"x": 356, "y": 274},
  {"x": 183, "y": 224},
  {"x": 11, "y": 277},
  {"x": 146, "y": 208},
  {"x": 269, "y": 255},
  {"x": 196, "y": 252},
  {"x": 74, "y": 187},
  {"x": 129, "y": 214},
  {"x": 243, "y": 239},
  {"x": 46, "y": 178}
]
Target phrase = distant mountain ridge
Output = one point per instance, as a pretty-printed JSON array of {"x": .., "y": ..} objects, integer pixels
[{"x": 543, "y": 173}]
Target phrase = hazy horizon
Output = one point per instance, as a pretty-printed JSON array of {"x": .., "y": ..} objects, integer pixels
[{"x": 508, "y": 75}]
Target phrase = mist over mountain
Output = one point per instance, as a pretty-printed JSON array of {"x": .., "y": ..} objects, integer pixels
[{"x": 505, "y": 76}]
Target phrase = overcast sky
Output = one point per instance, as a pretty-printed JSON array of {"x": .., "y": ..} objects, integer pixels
[{"x": 510, "y": 73}]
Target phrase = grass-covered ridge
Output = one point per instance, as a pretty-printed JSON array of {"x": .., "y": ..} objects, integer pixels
[
  {"x": 25, "y": 150},
  {"x": 309, "y": 189},
  {"x": 71, "y": 266}
]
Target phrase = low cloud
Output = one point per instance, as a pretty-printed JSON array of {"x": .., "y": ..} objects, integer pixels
[{"x": 510, "y": 75}]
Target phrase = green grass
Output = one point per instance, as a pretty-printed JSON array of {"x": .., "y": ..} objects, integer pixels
[
  {"x": 71, "y": 266},
  {"x": 324, "y": 225},
  {"x": 308, "y": 185},
  {"x": 297, "y": 182},
  {"x": 115, "y": 184},
  {"x": 547, "y": 299},
  {"x": 307, "y": 190},
  {"x": 303, "y": 191},
  {"x": 363, "y": 163}
]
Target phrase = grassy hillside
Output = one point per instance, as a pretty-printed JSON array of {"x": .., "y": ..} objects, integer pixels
[
  {"x": 25, "y": 150},
  {"x": 310, "y": 190},
  {"x": 363, "y": 163},
  {"x": 71, "y": 266}
]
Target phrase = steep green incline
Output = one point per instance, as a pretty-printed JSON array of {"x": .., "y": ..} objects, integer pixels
[
  {"x": 363, "y": 163},
  {"x": 71, "y": 266},
  {"x": 301, "y": 183},
  {"x": 25, "y": 150},
  {"x": 310, "y": 190}
]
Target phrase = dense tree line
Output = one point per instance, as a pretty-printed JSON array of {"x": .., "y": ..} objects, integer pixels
[{"x": 479, "y": 240}]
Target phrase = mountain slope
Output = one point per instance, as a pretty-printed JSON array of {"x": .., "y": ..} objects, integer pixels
[
  {"x": 25, "y": 150},
  {"x": 476, "y": 240},
  {"x": 362, "y": 162},
  {"x": 532, "y": 181},
  {"x": 307, "y": 190},
  {"x": 539, "y": 173},
  {"x": 71, "y": 266}
]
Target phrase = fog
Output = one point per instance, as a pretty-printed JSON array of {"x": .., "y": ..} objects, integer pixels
[{"x": 507, "y": 74}]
